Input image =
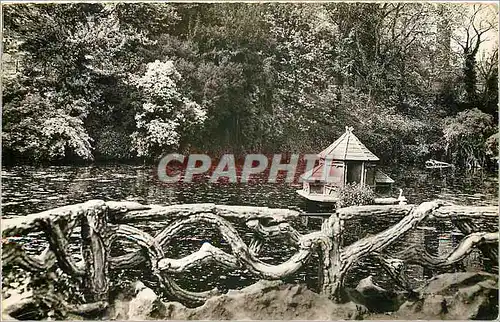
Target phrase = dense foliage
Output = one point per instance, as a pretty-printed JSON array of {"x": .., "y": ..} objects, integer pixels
[
  {"x": 464, "y": 135},
  {"x": 130, "y": 81}
]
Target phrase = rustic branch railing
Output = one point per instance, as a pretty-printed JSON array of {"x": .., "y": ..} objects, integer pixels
[{"x": 102, "y": 223}]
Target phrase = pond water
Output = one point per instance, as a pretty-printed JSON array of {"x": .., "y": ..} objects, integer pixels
[{"x": 28, "y": 190}]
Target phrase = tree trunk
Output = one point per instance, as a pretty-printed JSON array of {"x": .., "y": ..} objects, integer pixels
[{"x": 470, "y": 77}]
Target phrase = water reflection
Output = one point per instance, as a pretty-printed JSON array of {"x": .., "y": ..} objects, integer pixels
[{"x": 27, "y": 190}]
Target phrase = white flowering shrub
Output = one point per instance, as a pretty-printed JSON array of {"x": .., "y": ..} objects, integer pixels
[
  {"x": 66, "y": 132},
  {"x": 355, "y": 194},
  {"x": 165, "y": 114},
  {"x": 44, "y": 130}
]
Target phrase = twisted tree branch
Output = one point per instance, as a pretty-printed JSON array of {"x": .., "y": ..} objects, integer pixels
[
  {"x": 154, "y": 255},
  {"x": 467, "y": 227},
  {"x": 155, "y": 212},
  {"x": 383, "y": 239},
  {"x": 14, "y": 254},
  {"x": 24, "y": 225},
  {"x": 58, "y": 244},
  {"x": 395, "y": 268},
  {"x": 207, "y": 253},
  {"x": 373, "y": 210},
  {"x": 283, "y": 229},
  {"x": 421, "y": 257}
]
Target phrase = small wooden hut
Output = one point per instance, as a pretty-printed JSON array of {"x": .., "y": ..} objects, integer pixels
[{"x": 346, "y": 160}]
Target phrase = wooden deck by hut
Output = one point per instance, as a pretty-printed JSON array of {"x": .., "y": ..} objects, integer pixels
[{"x": 345, "y": 161}]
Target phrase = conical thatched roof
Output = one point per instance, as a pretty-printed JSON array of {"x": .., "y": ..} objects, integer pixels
[{"x": 348, "y": 147}]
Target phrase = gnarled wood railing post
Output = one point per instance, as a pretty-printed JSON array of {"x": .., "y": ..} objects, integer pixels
[
  {"x": 95, "y": 253},
  {"x": 331, "y": 275},
  {"x": 341, "y": 259},
  {"x": 104, "y": 222}
]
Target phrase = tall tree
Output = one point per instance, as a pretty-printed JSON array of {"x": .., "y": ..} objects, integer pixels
[{"x": 471, "y": 34}]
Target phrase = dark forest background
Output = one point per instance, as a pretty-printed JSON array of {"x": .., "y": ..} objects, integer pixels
[{"x": 131, "y": 81}]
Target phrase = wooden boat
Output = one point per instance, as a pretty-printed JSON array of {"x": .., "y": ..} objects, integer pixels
[
  {"x": 434, "y": 164},
  {"x": 345, "y": 161},
  {"x": 334, "y": 198}
]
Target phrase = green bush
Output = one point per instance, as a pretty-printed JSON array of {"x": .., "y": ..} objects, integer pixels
[
  {"x": 355, "y": 195},
  {"x": 465, "y": 136}
]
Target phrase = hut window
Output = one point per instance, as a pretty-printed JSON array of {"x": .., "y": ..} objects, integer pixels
[
  {"x": 354, "y": 172},
  {"x": 316, "y": 188}
]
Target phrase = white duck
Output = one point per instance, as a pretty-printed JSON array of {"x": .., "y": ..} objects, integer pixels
[{"x": 402, "y": 199}]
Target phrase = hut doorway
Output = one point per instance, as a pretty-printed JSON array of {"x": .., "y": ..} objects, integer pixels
[{"x": 354, "y": 170}]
